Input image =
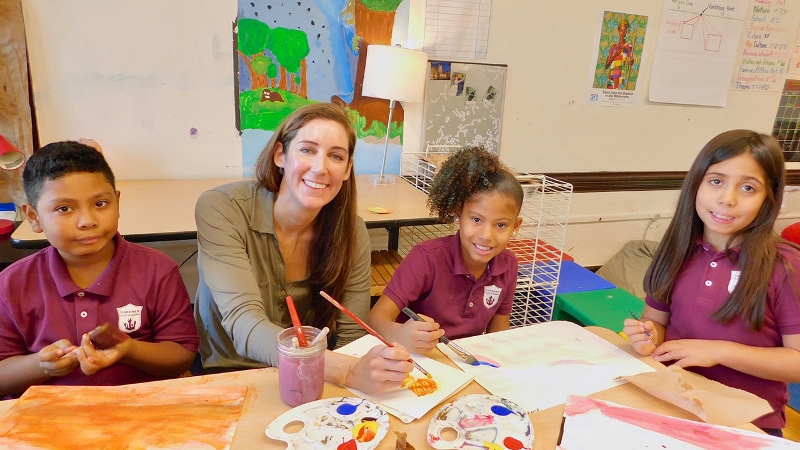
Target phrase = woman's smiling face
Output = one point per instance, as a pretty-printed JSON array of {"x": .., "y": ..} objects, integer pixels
[{"x": 315, "y": 164}]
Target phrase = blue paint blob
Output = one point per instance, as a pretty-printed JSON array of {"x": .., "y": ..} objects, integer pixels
[
  {"x": 346, "y": 409},
  {"x": 501, "y": 410},
  {"x": 484, "y": 363}
]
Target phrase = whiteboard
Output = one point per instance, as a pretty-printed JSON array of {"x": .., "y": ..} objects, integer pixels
[{"x": 151, "y": 80}]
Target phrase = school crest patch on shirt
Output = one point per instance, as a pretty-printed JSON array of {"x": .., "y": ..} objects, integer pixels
[
  {"x": 491, "y": 295},
  {"x": 129, "y": 318},
  {"x": 735, "y": 274}
]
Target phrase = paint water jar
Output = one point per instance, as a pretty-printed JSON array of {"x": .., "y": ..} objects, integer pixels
[{"x": 301, "y": 370}]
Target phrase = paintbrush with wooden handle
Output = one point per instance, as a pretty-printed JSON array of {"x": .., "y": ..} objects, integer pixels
[{"x": 368, "y": 328}]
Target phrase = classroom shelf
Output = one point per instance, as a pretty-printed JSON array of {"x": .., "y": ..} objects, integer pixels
[{"x": 539, "y": 244}]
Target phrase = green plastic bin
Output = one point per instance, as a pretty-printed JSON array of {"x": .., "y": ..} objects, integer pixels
[{"x": 606, "y": 308}]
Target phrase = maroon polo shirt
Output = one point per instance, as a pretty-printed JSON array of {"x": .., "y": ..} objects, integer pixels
[
  {"x": 702, "y": 287},
  {"x": 141, "y": 292},
  {"x": 433, "y": 280}
]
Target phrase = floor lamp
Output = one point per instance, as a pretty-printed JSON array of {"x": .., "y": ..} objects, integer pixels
[{"x": 398, "y": 75}]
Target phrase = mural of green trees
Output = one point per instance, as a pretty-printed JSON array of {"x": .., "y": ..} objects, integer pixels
[
  {"x": 274, "y": 62},
  {"x": 275, "y": 58}
]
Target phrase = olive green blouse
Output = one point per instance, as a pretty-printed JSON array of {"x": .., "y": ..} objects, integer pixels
[{"x": 240, "y": 305}]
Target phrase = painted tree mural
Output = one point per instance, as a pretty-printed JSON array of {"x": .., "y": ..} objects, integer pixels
[
  {"x": 275, "y": 59},
  {"x": 288, "y": 49},
  {"x": 373, "y": 20}
]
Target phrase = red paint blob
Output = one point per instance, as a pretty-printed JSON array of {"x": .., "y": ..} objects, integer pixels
[
  {"x": 349, "y": 445},
  {"x": 512, "y": 443}
]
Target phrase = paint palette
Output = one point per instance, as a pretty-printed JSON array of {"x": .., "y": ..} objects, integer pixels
[
  {"x": 345, "y": 423},
  {"x": 481, "y": 420}
]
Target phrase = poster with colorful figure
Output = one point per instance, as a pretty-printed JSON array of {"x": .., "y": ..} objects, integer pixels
[
  {"x": 615, "y": 69},
  {"x": 290, "y": 54}
]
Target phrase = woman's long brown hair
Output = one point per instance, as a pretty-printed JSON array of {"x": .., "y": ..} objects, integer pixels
[
  {"x": 759, "y": 242},
  {"x": 334, "y": 230}
]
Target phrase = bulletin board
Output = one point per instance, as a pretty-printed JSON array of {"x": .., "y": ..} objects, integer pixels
[{"x": 464, "y": 104}]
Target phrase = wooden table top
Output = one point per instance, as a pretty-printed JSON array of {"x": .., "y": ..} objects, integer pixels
[{"x": 263, "y": 404}]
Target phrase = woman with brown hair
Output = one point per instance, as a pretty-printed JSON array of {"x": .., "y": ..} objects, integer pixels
[{"x": 292, "y": 232}]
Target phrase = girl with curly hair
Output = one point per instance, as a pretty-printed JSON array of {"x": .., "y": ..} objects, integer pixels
[{"x": 463, "y": 284}]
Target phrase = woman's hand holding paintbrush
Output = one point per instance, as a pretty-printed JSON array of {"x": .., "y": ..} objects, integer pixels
[{"x": 368, "y": 328}]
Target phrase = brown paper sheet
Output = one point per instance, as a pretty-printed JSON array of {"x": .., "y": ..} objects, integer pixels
[{"x": 711, "y": 401}]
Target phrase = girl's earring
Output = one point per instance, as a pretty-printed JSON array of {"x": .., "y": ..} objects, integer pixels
[
  {"x": 280, "y": 170},
  {"x": 456, "y": 220}
]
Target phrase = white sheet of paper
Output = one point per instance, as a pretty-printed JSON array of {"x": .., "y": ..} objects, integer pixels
[
  {"x": 696, "y": 51},
  {"x": 401, "y": 402},
  {"x": 761, "y": 63},
  {"x": 591, "y": 424},
  {"x": 552, "y": 359}
]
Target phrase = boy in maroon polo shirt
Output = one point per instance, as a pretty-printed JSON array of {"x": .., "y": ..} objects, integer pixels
[{"x": 90, "y": 275}]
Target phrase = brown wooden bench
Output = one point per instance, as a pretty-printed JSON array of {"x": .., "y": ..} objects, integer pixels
[{"x": 384, "y": 263}]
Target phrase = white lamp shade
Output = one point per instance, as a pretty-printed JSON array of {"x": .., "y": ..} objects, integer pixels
[{"x": 395, "y": 73}]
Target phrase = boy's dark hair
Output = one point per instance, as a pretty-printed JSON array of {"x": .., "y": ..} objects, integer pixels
[
  {"x": 759, "y": 250},
  {"x": 468, "y": 172},
  {"x": 59, "y": 159}
]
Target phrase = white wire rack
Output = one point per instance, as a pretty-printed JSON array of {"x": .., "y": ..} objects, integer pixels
[{"x": 539, "y": 244}]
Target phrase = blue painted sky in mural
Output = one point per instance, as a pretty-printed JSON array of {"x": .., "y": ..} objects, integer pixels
[{"x": 331, "y": 63}]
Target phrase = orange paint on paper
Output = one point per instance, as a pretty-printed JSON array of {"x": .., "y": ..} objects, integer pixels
[
  {"x": 420, "y": 386},
  {"x": 134, "y": 416}
]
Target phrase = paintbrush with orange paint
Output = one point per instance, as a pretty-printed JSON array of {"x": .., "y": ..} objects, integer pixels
[{"x": 368, "y": 328}]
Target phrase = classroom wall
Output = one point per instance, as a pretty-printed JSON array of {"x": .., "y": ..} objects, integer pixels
[
  {"x": 601, "y": 224},
  {"x": 548, "y": 127}
]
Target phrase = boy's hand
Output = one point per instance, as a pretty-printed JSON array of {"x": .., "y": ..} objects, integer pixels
[
  {"x": 93, "y": 359},
  {"x": 58, "y": 359},
  {"x": 634, "y": 329},
  {"x": 420, "y": 337}
]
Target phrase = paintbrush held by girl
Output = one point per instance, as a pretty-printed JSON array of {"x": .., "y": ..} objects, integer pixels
[
  {"x": 463, "y": 284},
  {"x": 722, "y": 291}
]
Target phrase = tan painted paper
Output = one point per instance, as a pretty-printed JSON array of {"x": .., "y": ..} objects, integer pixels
[{"x": 709, "y": 400}]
